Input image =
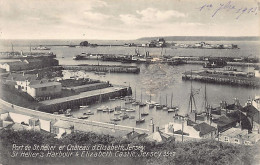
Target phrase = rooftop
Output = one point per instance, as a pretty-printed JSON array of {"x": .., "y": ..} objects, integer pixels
[
  {"x": 21, "y": 77},
  {"x": 224, "y": 120},
  {"x": 204, "y": 128},
  {"x": 30, "y": 60},
  {"x": 63, "y": 124},
  {"x": 46, "y": 84},
  {"x": 15, "y": 63},
  {"x": 81, "y": 95}
]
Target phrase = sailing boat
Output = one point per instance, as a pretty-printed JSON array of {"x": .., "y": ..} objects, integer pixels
[
  {"x": 135, "y": 102},
  {"x": 172, "y": 109},
  {"x": 144, "y": 114},
  {"x": 192, "y": 99},
  {"x": 207, "y": 107},
  {"x": 101, "y": 108},
  {"x": 193, "y": 112},
  {"x": 141, "y": 104},
  {"x": 157, "y": 105},
  {"x": 108, "y": 109},
  {"x": 165, "y": 108},
  {"x": 150, "y": 103},
  {"x": 140, "y": 120}
]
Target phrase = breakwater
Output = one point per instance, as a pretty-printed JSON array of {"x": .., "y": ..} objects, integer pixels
[
  {"x": 222, "y": 79},
  {"x": 104, "y": 68}
]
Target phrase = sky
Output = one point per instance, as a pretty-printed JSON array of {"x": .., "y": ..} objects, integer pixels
[{"x": 126, "y": 19}]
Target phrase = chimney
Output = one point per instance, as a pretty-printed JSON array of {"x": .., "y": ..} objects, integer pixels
[{"x": 151, "y": 126}]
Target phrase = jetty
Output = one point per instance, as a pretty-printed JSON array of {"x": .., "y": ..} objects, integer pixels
[
  {"x": 225, "y": 77},
  {"x": 104, "y": 68}
]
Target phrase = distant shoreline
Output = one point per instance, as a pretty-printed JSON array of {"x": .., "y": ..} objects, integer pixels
[
  {"x": 167, "y": 38},
  {"x": 204, "y": 38}
]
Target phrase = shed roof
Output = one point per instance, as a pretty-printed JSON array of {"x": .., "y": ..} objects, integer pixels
[{"x": 47, "y": 84}]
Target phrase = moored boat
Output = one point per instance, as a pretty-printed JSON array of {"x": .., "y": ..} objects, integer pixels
[
  {"x": 124, "y": 116},
  {"x": 115, "y": 119},
  {"x": 158, "y": 106},
  {"x": 130, "y": 110},
  {"x": 100, "y": 108},
  {"x": 83, "y": 117},
  {"x": 88, "y": 113},
  {"x": 144, "y": 114},
  {"x": 117, "y": 113},
  {"x": 171, "y": 110},
  {"x": 141, "y": 120}
]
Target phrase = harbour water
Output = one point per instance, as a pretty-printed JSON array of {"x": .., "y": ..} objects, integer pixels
[{"x": 157, "y": 80}]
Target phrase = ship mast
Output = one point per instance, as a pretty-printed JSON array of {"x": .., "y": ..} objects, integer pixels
[
  {"x": 192, "y": 99},
  {"x": 166, "y": 100},
  {"x": 135, "y": 94},
  {"x": 206, "y": 104},
  {"x": 171, "y": 99},
  {"x": 12, "y": 48},
  {"x": 141, "y": 96}
]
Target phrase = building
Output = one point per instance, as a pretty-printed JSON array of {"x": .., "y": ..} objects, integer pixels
[
  {"x": 190, "y": 129},
  {"x": 33, "y": 85},
  {"x": 224, "y": 122},
  {"x": 22, "y": 80},
  {"x": 44, "y": 89},
  {"x": 5, "y": 119},
  {"x": 17, "y": 122},
  {"x": 29, "y": 63},
  {"x": 257, "y": 73},
  {"x": 133, "y": 135},
  {"x": 62, "y": 127},
  {"x": 238, "y": 136},
  {"x": 252, "y": 111},
  {"x": 14, "y": 66},
  {"x": 159, "y": 136}
]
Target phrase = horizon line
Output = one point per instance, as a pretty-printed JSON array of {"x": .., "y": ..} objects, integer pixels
[{"x": 115, "y": 39}]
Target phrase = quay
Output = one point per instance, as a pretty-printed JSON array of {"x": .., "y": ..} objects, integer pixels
[
  {"x": 84, "y": 98},
  {"x": 26, "y": 55},
  {"x": 228, "y": 63},
  {"x": 231, "y": 79},
  {"x": 104, "y": 68}
]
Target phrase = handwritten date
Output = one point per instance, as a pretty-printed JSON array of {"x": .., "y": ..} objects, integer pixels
[{"x": 229, "y": 6}]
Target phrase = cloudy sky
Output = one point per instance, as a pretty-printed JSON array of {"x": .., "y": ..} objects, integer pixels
[{"x": 126, "y": 19}]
